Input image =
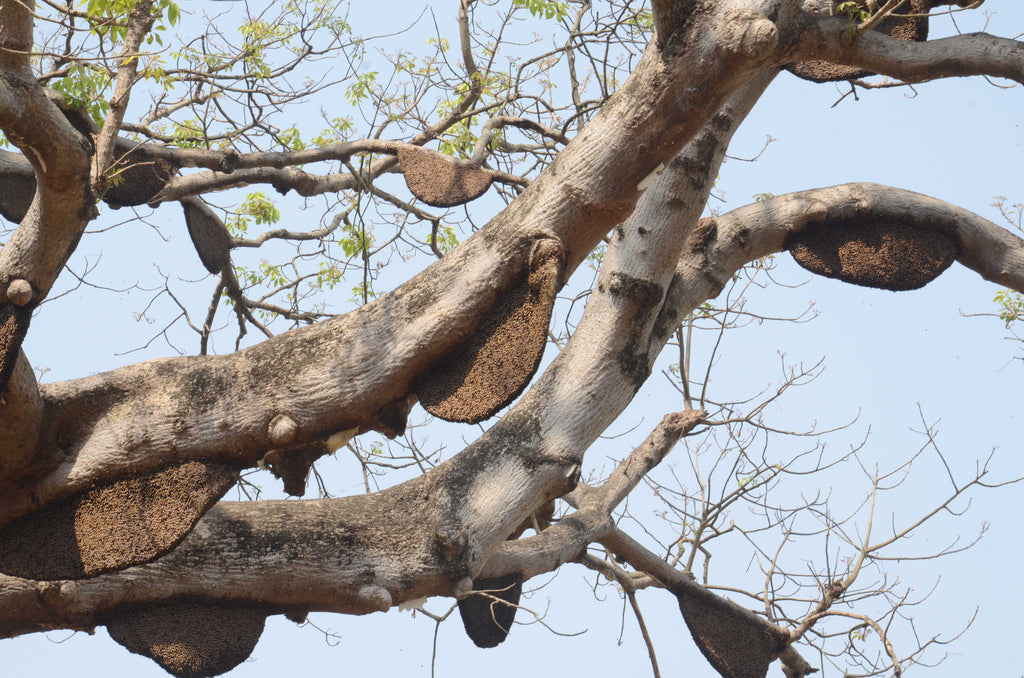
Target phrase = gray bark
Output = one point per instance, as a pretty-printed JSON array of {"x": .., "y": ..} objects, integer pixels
[{"x": 434, "y": 534}]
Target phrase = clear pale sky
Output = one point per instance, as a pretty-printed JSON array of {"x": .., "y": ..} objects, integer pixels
[{"x": 886, "y": 356}]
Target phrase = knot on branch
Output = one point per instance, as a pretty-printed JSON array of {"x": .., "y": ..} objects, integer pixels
[
  {"x": 229, "y": 163},
  {"x": 835, "y": 590},
  {"x": 453, "y": 545},
  {"x": 19, "y": 292},
  {"x": 679, "y": 424},
  {"x": 190, "y": 639},
  {"x": 441, "y": 180},
  {"x": 282, "y": 430},
  {"x": 492, "y": 368},
  {"x": 375, "y": 597},
  {"x": 751, "y": 35},
  {"x": 893, "y": 257},
  {"x": 114, "y": 526}
]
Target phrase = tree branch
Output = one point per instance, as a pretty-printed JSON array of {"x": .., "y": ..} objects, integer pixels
[
  {"x": 592, "y": 185},
  {"x": 958, "y": 56},
  {"x": 140, "y": 21}
]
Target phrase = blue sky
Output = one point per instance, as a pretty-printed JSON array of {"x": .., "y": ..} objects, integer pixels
[{"x": 887, "y": 356}]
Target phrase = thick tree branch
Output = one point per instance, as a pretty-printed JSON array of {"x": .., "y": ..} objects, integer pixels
[
  {"x": 16, "y": 33},
  {"x": 143, "y": 416},
  {"x": 308, "y": 387},
  {"x": 721, "y": 246},
  {"x": 958, "y": 56},
  {"x": 460, "y": 512},
  {"x": 37, "y": 250},
  {"x": 339, "y": 571},
  {"x": 984, "y": 247},
  {"x": 54, "y": 220}
]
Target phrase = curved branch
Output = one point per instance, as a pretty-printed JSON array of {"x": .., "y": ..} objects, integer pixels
[
  {"x": 984, "y": 247},
  {"x": 425, "y": 536},
  {"x": 720, "y": 247},
  {"x": 332, "y": 377},
  {"x": 497, "y": 122},
  {"x": 828, "y": 39}
]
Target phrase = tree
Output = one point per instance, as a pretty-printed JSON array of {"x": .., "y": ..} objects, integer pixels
[{"x": 111, "y": 483}]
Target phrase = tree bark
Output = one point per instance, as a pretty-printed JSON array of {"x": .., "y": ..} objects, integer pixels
[{"x": 644, "y": 167}]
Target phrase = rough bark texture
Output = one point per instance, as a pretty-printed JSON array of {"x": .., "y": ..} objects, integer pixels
[{"x": 104, "y": 477}]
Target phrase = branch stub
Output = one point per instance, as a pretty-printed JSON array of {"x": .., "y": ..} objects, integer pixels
[{"x": 19, "y": 292}]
